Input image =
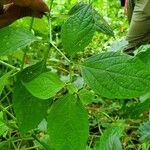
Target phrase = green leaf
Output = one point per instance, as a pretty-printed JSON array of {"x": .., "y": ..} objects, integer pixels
[
  {"x": 110, "y": 138},
  {"x": 29, "y": 110},
  {"x": 86, "y": 96},
  {"x": 113, "y": 144},
  {"x": 44, "y": 86},
  {"x": 72, "y": 88},
  {"x": 4, "y": 145},
  {"x": 30, "y": 73},
  {"x": 78, "y": 30},
  {"x": 144, "y": 54},
  {"x": 116, "y": 75},
  {"x": 145, "y": 132},
  {"x": 68, "y": 124},
  {"x": 13, "y": 39},
  {"x": 77, "y": 8},
  {"x": 4, "y": 80},
  {"x": 137, "y": 109},
  {"x": 101, "y": 25},
  {"x": 3, "y": 127}
]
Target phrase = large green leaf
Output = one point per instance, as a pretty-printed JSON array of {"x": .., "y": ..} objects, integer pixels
[
  {"x": 30, "y": 73},
  {"x": 68, "y": 124},
  {"x": 29, "y": 110},
  {"x": 44, "y": 86},
  {"x": 110, "y": 138},
  {"x": 116, "y": 75},
  {"x": 78, "y": 30},
  {"x": 13, "y": 39}
]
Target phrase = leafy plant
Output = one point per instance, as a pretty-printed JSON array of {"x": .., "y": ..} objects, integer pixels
[{"x": 40, "y": 94}]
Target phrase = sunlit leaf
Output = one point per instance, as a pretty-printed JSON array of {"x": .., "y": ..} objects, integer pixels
[
  {"x": 116, "y": 75},
  {"x": 68, "y": 124},
  {"x": 44, "y": 86}
]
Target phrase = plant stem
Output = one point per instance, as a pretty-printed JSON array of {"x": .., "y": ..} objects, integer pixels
[
  {"x": 50, "y": 32},
  {"x": 26, "y": 49},
  {"x": 51, "y": 38},
  {"x": 61, "y": 53},
  {"x": 5, "y": 110},
  {"x": 8, "y": 65},
  {"x": 107, "y": 115},
  {"x": 42, "y": 143}
]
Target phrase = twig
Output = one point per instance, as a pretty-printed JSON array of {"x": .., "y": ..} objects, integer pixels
[{"x": 8, "y": 65}]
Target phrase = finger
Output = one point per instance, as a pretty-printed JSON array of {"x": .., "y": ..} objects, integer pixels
[
  {"x": 17, "y": 12},
  {"x": 13, "y": 12},
  {"x": 5, "y": 20},
  {"x": 3, "y": 2},
  {"x": 37, "y": 5},
  {"x": 1, "y": 9}
]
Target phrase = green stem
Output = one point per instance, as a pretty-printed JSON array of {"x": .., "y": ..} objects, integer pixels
[
  {"x": 8, "y": 65},
  {"x": 51, "y": 38},
  {"x": 46, "y": 54},
  {"x": 107, "y": 115},
  {"x": 18, "y": 139},
  {"x": 5, "y": 110},
  {"x": 60, "y": 52},
  {"x": 71, "y": 73},
  {"x": 42, "y": 143},
  {"x": 26, "y": 49}
]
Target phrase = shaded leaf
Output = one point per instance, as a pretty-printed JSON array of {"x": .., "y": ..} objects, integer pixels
[
  {"x": 137, "y": 109},
  {"x": 31, "y": 72},
  {"x": 29, "y": 110}
]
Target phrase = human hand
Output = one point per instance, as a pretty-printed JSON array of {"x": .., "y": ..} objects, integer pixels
[{"x": 16, "y": 9}]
